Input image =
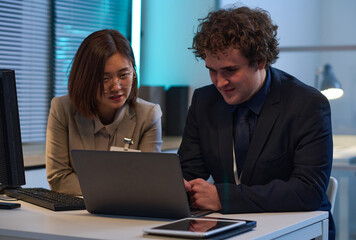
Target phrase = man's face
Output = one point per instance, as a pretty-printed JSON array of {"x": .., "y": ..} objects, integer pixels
[{"x": 232, "y": 75}]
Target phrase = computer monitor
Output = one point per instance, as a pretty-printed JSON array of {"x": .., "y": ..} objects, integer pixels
[{"x": 12, "y": 173}]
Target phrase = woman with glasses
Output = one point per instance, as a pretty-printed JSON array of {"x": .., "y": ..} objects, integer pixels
[{"x": 101, "y": 110}]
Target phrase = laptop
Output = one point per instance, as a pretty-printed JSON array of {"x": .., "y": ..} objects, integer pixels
[{"x": 124, "y": 183}]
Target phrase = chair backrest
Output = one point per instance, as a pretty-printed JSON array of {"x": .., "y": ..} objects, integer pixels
[{"x": 331, "y": 192}]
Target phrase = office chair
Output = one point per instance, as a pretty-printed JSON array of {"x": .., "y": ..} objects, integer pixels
[{"x": 331, "y": 192}]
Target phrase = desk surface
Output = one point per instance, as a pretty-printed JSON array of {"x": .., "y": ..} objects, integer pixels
[{"x": 31, "y": 221}]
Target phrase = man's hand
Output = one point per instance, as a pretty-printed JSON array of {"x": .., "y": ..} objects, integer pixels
[
  {"x": 187, "y": 186},
  {"x": 203, "y": 195}
]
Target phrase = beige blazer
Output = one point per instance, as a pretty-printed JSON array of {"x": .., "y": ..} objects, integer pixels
[{"x": 68, "y": 129}]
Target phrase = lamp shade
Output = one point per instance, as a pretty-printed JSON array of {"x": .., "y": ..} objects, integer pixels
[{"x": 330, "y": 86}]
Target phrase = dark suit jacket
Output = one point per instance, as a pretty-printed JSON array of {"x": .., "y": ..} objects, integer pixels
[{"x": 288, "y": 163}]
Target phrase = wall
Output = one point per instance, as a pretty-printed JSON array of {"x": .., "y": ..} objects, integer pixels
[
  {"x": 317, "y": 23},
  {"x": 168, "y": 28},
  {"x": 167, "y": 31},
  {"x": 298, "y": 25},
  {"x": 338, "y": 28},
  {"x": 167, "y": 35}
]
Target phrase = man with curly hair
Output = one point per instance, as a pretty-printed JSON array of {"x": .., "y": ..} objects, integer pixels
[{"x": 282, "y": 162}]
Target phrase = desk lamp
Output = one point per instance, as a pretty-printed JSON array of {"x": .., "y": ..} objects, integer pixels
[{"x": 330, "y": 86}]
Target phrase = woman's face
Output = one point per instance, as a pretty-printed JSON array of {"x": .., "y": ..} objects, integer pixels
[{"x": 118, "y": 78}]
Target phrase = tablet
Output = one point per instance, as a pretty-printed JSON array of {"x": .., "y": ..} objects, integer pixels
[{"x": 195, "y": 227}]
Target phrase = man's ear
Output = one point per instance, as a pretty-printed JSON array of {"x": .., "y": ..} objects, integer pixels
[{"x": 261, "y": 65}]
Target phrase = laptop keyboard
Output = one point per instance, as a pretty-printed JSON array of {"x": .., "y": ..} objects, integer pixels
[
  {"x": 47, "y": 198},
  {"x": 194, "y": 212}
]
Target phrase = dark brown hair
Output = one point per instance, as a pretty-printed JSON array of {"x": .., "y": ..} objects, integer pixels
[
  {"x": 249, "y": 30},
  {"x": 88, "y": 65}
]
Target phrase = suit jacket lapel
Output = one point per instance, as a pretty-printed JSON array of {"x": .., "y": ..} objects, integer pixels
[
  {"x": 86, "y": 129},
  {"x": 265, "y": 123},
  {"x": 225, "y": 144},
  {"x": 126, "y": 128}
]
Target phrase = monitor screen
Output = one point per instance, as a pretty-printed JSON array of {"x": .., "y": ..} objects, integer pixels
[{"x": 12, "y": 172}]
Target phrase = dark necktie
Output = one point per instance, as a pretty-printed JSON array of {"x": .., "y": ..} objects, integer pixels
[{"x": 242, "y": 136}]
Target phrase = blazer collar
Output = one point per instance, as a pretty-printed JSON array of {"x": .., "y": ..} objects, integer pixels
[
  {"x": 267, "y": 119},
  {"x": 125, "y": 129},
  {"x": 225, "y": 135},
  {"x": 86, "y": 130}
]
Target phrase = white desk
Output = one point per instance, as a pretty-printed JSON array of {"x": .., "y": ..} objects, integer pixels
[
  {"x": 344, "y": 169},
  {"x": 34, "y": 222}
]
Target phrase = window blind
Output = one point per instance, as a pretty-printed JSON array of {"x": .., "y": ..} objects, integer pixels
[
  {"x": 75, "y": 20},
  {"x": 38, "y": 39},
  {"x": 25, "y": 47}
]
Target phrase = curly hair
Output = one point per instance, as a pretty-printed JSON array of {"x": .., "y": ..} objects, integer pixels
[
  {"x": 249, "y": 30},
  {"x": 88, "y": 65}
]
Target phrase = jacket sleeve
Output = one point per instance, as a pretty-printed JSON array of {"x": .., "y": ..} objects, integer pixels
[
  {"x": 60, "y": 173},
  {"x": 190, "y": 151}
]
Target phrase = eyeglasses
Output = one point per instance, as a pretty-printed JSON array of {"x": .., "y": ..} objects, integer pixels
[{"x": 123, "y": 80}]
